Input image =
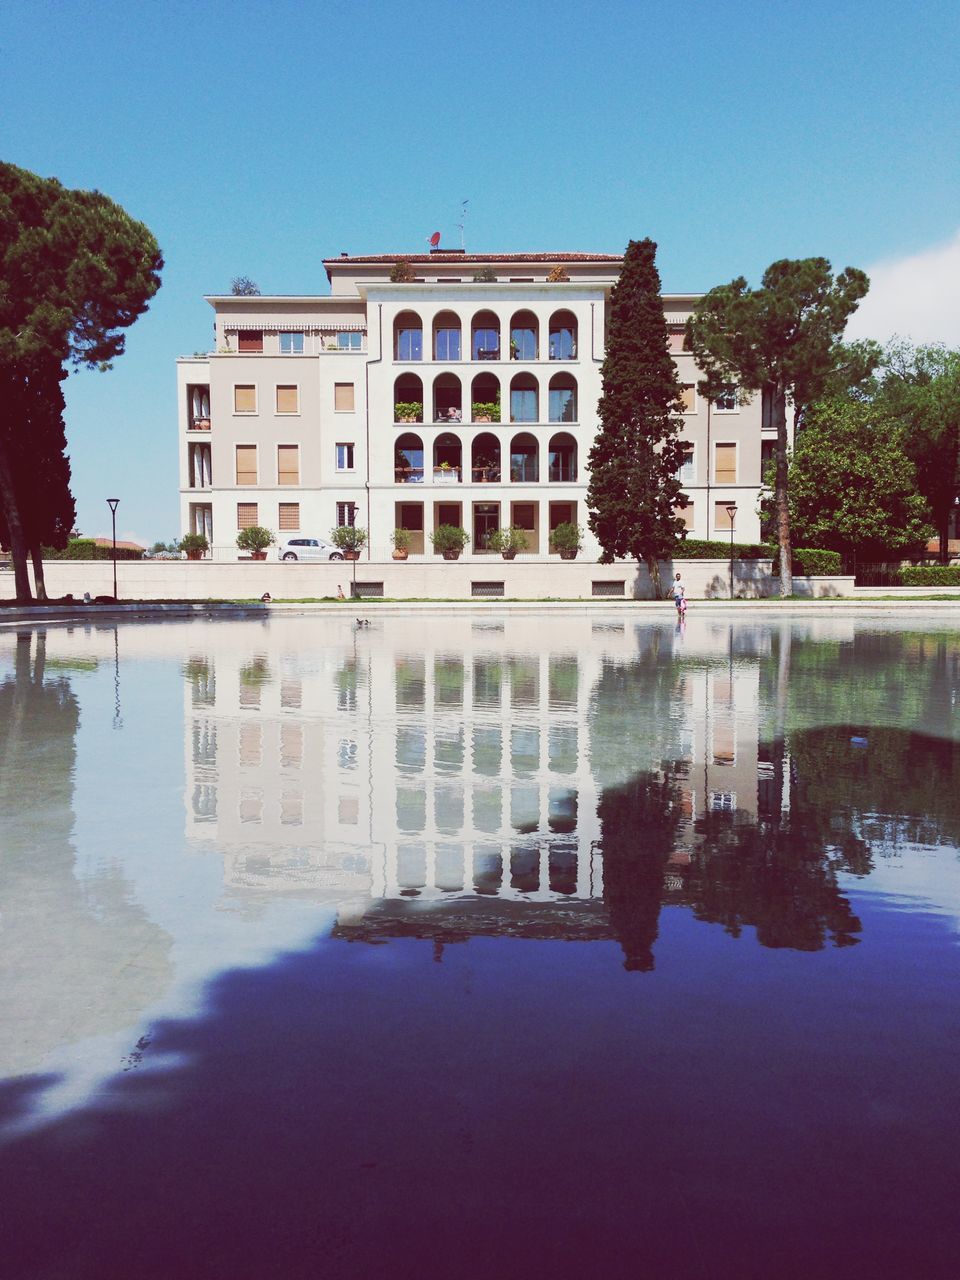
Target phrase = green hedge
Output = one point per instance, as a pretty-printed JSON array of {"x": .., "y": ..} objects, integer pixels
[
  {"x": 931, "y": 575},
  {"x": 87, "y": 549},
  {"x": 813, "y": 563},
  {"x": 698, "y": 549}
]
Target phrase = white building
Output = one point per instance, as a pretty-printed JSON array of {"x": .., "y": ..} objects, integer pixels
[{"x": 448, "y": 400}]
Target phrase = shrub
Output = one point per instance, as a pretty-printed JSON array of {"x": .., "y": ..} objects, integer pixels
[
  {"x": 449, "y": 537},
  {"x": 810, "y": 562},
  {"x": 558, "y": 275},
  {"x": 193, "y": 542},
  {"x": 401, "y": 272},
  {"x": 512, "y": 539},
  {"x": 931, "y": 575},
  {"x": 408, "y": 411},
  {"x": 485, "y": 275},
  {"x": 348, "y": 537},
  {"x": 401, "y": 539},
  {"x": 486, "y": 409},
  {"x": 699, "y": 549},
  {"x": 566, "y": 537},
  {"x": 255, "y": 539},
  {"x": 87, "y": 549}
]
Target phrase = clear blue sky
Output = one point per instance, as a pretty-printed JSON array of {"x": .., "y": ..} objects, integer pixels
[{"x": 257, "y": 138}]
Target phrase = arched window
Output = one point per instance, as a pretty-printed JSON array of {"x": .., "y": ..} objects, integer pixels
[
  {"x": 563, "y": 336},
  {"x": 408, "y": 336},
  {"x": 563, "y": 398},
  {"x": 485, "y": 341},
  {"x": 524, "y": 334},
  {"x": 524, "y": 463},
  {"x": 562, "y": 458},
  {"x": 446, "y": 336},
  {"x": 485, "y": 456},
  {"x": 524, "y": 399},
  {"x": 408, "y": 398},
  {"x": 485, "y": 398},
  {"x": 447, "y": 398},
  {"x": 408, "y": 459},
  {"x": 447, "y": 458}
]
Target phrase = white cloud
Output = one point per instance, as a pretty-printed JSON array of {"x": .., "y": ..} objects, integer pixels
[{"x": 914, "y": 297}]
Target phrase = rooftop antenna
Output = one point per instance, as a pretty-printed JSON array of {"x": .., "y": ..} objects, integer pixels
[{"x": 463, "y": 218}]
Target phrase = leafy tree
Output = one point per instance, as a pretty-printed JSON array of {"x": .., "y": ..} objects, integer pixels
[
  {"x": 244, "y": 287},
  {"x": 782, "y": 339},
  {"x": 402, "y": 272},
  {"x": 852, "y": 485},
  {"x": 75, "y": 271},
  {"x": 920, "y": 387},
  {"x": 635, "y": 459}
]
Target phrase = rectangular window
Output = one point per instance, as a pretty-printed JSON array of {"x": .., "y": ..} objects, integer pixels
[
  {"x": 246, "y": 515},
  {"x": 726, "y": 401},
  {"x": 343, "y": 397},
  {"x": 721, "y": 517},
  {"x": 291, "y": 344},
  {"x": 687, "y": 474},
  {"x": 344, "y": 457},
  {"x": 688, "y": 394},
  {"x": 766, "y": 410},
  {"x": 411, "y": 516},
  {"x": 244, "y": 399},
  {"x": 768, "y": 461},
  {"x": 448, "y": 344},
  {"x": 350, "y": 341},
  {"x": 288, "y": 464},
  {"x": 246, "y": 464},
  {"x": 675, "y": 339},
  {"x": 725, "y": 464},
  {"x": 409, "y": 344},
  {"x": 684, "y": 512},
  {"x": 346, "y": 515},
  {"x": 523, "y": 405},
  {"x": 288, "y": 399},
  {"x": 289, "y": 515},
  {"x": 250, "y": 340},
  {"x": 524, "y": 516}
]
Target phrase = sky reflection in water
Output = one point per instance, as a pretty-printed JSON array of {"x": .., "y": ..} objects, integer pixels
[{"x": 515, "y": 945}]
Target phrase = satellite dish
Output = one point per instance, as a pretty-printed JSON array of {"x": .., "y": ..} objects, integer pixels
[{"x": 435, "y": 240}]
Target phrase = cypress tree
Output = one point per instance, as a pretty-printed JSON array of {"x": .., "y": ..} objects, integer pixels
[{"x": 635, "y": 459}]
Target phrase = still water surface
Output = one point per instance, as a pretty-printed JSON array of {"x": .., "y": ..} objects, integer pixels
[{"x": 487, "y": 945}]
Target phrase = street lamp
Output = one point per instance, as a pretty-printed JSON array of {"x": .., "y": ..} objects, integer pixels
[
  {"x": 113, "y": 503},
  {"x": 731, "y": 510}
]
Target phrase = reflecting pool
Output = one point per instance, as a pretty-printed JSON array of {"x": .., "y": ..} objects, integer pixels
[{"x": 514, "y": 944}]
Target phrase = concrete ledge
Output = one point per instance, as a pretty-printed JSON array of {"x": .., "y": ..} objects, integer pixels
[{"x": 426, "y": 578}]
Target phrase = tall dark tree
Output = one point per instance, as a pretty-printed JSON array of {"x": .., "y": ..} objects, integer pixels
[
  {"x": 40, "y": 466},
  {"x": 920, "y": 387},
  {"x": 75, "y": 271},
  {"x": 244, "y": 287},
  {"x": 634, "y": 462},
  {"x": 783, "y": 340}
]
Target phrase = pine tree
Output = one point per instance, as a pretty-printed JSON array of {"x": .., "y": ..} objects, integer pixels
[{"x": 634, "y": 462}]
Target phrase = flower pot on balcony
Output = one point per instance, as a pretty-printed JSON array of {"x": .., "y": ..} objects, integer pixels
[
  {"x": 509, "y": 555},
  {"x": 568, "y": 553},
  {"x": 194, "y": 555},
  {"x": 200, "y": 424},
  {"x": 258, "y": 555},
  {"x": 400, "y": 555},
  {"x": 451, "y": 555},
  {"x": 446, "y": 475},
  {"x": 482, "y": 417},
  {"x": 351, "y": 555}
]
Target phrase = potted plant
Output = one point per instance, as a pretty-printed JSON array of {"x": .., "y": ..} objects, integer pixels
[
  {"x": 486, "y": 410},
  {"x": 514, "y": 349},
  {"x": 567, "y": 538},
  {"x": 255, "y": 539},
  {"x": 508, "y": 541},
  {"x": 408, "y": 411},
  {"x": 485, "y": 468},
  {"x": 401, "y": 543},
  {"x": 449, "y": 540},
  {"x": 349, "y": 538},
  {"x": 194, "y": 544},
  {"x": 486, "y": 275},
  {"x": 444, "y": 473}
]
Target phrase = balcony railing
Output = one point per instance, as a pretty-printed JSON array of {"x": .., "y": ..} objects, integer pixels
[
  {"x": 408, "y": 475},
  {"x": 199, "y": 424},
  {"x": 562, "y": 473},
  {"x": 446, "y": 475}
]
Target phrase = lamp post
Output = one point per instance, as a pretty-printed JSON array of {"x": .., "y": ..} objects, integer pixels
[
  {"x": 113, "y": 503},
  {"x": 731, "y": 510}
]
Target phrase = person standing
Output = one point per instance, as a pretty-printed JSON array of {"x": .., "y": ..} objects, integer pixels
[{"x": 678, "y": 592}]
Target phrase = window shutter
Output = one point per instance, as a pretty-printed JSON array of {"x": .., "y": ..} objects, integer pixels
[
  {"x": 288, "y": 464},
  {"x": 726, "y": 463},
  {"x": 688, "y": 394},
  {"x": 246, "y": 515},
  {"x": 289, "y": 515},
  {"x": 246, "y": 464},
  {"x": 245, "y": 399},
  {"x": 343, "y": 397},
  {"x": 250, "y": 340},
  {"x": 288, "y": 399}
]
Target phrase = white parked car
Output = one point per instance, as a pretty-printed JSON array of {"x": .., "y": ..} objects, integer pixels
[{"x": 308, "y": 549}]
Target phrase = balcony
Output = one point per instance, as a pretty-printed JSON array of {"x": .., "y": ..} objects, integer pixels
[
  {"x": 198, "y": 424},
  {"x": 446, "y": 475},
  {"x": 408, "y": 475}
]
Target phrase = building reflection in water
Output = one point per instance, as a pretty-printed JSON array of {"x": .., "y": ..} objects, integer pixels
[{"x": 565, "y": 779}]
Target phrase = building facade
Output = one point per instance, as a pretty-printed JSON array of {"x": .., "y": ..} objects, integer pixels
[{"x": 445, "y": 400}]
